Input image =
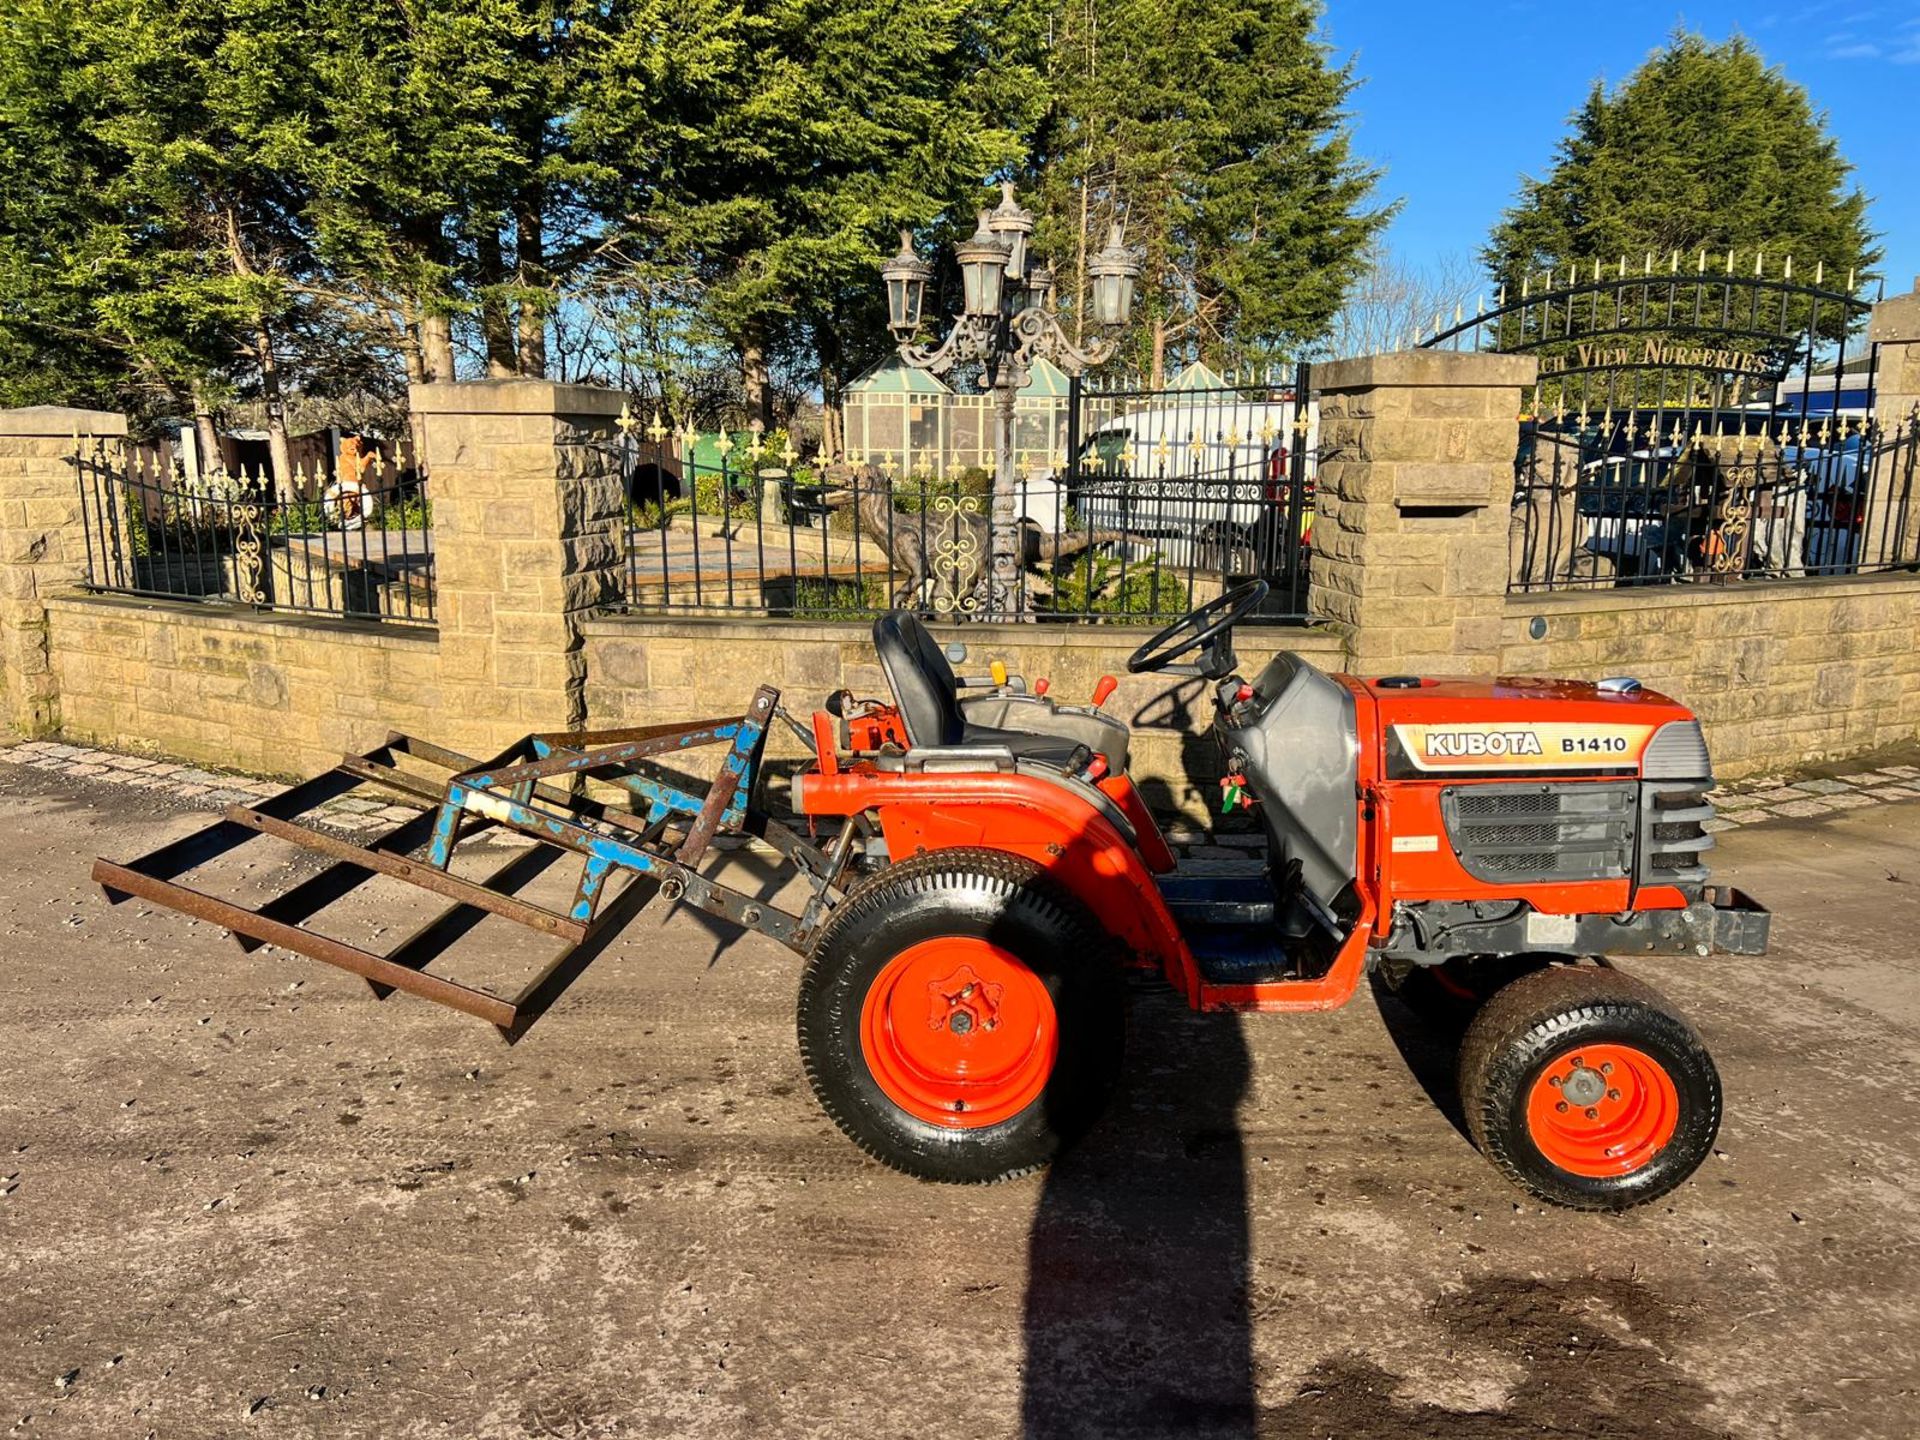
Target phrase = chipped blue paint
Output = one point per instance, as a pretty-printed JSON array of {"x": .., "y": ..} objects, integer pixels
[
  {"x": 446, "y": 824},
  {"x": 592, "y": 877}
]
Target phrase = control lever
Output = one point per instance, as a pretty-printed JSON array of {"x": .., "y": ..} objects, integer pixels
[
  {"x": 998, "y": 670},
  {"x": 1102, "y": 689},
  {"x": 1040, "y": 686}
]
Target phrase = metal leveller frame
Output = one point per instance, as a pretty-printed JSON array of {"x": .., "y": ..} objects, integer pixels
[{"x": 658, "y": 848}]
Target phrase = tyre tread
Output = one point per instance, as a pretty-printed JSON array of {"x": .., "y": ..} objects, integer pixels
[
  {"x": 924, "y": 875},
  {"x": 1506, "y": 1036}
]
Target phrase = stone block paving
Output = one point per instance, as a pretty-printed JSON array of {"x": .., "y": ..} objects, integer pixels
[
  {"x": 199, "y": 788},
  {"x": 1740, "y": 803}
]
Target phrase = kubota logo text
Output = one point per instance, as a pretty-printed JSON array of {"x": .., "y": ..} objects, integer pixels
[{"x": 1452, "y": 744}]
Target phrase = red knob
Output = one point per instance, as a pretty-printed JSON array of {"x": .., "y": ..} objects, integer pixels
[
  {"x": 1106, "y": 686},
  {"x": 1243, "y": 694},
  {"x": 1040, "y": 686}
]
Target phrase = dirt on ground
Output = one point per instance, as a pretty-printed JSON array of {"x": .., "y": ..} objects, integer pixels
[{"x": 240, "y": 1196}]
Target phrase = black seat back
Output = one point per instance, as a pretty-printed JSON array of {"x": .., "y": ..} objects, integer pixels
[{"x": 924, "y": 685}]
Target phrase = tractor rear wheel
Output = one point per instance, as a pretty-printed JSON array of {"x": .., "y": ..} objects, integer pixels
[
  {"x": 1586, "y": 1087},
  {"x": 962, "y": 1017}
]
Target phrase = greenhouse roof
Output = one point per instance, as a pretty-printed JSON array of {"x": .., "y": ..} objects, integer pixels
[
  {"x": 890, "y": 377},
  {"x": 1197, "y": 376}
]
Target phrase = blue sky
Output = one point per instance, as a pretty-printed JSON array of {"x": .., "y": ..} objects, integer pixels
[{"x": 1459, "y": 100}]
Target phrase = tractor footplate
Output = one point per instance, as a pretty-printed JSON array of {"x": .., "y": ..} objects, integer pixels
[{"x": 532, "y": 788}]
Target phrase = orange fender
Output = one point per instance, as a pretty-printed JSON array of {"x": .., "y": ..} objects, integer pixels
[{"x": 1022, "y": 815}]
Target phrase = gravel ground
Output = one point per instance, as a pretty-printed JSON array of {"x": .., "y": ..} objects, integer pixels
[{"x": 237, "y": 1196}]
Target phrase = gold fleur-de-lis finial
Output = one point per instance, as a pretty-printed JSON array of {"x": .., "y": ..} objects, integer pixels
[
  {"x": 887, "y": 466},
  {"x": 788, "y": 454},
  {"x": 724, "y": 444},
  {"x": 1162, "y": 451},
  {"x": 1126, "y": 457},
  {"x": 1233, "y": 439},
  {"x": 657, "y": 431},
  {"x": 1266, "y": 435},
  {"x": 625, "y": 422}
]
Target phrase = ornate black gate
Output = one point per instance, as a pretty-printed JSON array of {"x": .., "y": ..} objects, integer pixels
[{"x": 1697, "y": 420}]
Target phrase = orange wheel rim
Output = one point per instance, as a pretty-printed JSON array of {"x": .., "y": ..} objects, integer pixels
[
  {"x": 1602, "y": 1110},
  {"x": 957, "y": 1032}
]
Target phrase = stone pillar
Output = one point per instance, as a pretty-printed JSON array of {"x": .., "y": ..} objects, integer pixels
[
  {"x": 1412, "y": 507},
  {"x": 1895, "y": 328},
  {"x": 527, "y": 504},
  {"x": 42, "y": 546},
  {"x": 1893, "y": 493}
]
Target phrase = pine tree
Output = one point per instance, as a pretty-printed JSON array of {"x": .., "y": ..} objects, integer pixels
[
  {"x": 783, "y": 142},
  {"x": 1704, "y": 147},
  {"x": 1217, "y": 132}
]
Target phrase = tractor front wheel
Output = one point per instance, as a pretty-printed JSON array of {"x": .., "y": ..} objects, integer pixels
[
  {"x": 1587, "y": 1088},
  {"x": 962, "y": 1017}
]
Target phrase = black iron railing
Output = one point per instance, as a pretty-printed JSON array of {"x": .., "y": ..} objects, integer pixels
[
  {"x": 1126, "y": 532},
  {"x": 1748, "y": 499},
  {"x": 358, "y": 549}
]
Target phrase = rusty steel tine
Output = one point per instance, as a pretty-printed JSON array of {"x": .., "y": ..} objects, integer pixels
[
  {"x": 413, "y": 872},
  {"x": 490, "y": 1008},
  {"x": 335, "y": 882},
  {"x": 393, "y": 779},
  {"x": 431, "y": 940},
  {"x": 208, "y": 844},
  {"x": 581, "y": 740}
]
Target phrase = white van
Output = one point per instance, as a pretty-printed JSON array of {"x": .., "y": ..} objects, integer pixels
[{"x": 1203, "y": 485}]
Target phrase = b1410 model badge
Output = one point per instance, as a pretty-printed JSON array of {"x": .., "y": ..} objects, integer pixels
[{"x": 1506, "y": 748}]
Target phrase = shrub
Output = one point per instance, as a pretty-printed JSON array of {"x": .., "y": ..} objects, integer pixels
[{"x": 1101, "y": 585}]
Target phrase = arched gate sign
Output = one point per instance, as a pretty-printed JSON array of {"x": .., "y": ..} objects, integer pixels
[{"x": 1696, "y": 422}]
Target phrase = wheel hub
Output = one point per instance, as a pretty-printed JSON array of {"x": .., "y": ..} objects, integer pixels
[
  {"x": 963, "y": 1001},
  {"x": 1603, "y": 1110},
  {"x": 959, "y": 1032}
]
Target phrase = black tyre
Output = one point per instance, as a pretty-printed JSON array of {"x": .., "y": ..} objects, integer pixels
[
  {"x": 1585, "y": 1087},
  {"x": 962, "y": 1017}
]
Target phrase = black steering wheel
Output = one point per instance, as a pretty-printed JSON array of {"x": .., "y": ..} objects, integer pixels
[{"x": 1203, "y": 628}]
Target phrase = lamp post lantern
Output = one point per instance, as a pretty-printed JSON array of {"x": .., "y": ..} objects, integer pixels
[{"x": 1007, "y": 321}]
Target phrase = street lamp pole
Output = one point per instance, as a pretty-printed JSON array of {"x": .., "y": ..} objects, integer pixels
[{"x": 1007, "y": 321}]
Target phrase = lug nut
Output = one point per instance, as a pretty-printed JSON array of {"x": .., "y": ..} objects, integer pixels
[
  {"x": 1606, "y": 1067},
  {"x": 1554, "y": 1080},
  {"x": 1561, "y": 1107},
  {"x": 1613, "y": 1094},
  {"x": 1592, "y": 1114}
]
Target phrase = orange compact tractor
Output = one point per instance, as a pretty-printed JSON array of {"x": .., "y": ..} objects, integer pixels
[{"x": 982, "y": 872}]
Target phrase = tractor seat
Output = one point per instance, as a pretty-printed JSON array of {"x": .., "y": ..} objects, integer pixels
[{"x": 927, "y": 692}]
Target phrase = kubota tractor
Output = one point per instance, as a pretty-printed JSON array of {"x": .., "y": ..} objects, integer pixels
[
  {"x": 982, "y": 873},
  {"x": 1484, "y": 847}
]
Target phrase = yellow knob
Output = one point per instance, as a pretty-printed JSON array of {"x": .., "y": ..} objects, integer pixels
[{"x": 999, "y": 672}]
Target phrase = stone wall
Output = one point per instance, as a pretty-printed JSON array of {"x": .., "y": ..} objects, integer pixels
[
  {"x": 1780, "y": 674},
  {"x": 274, "y": 694},
  {"x": 646, "y": 671},
  {"x": 42, "y": 547},
  {"x": 1409, "y": 567}
]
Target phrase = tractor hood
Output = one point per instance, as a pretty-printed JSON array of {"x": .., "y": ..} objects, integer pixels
[{"x": 1518, "y": 726}]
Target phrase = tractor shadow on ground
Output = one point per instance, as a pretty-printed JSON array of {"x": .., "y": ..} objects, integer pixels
[
  {"x": 1137, "y": 1312},
  {"x": 1430, "y": 1047}
]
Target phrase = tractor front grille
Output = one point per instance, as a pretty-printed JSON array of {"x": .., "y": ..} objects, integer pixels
[
  {"x": 1536, "y": 832},
  {"x": 1675, "y": 813}
]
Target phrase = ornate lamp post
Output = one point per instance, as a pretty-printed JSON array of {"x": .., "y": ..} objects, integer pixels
[{"x": 1006, "y": 322}]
